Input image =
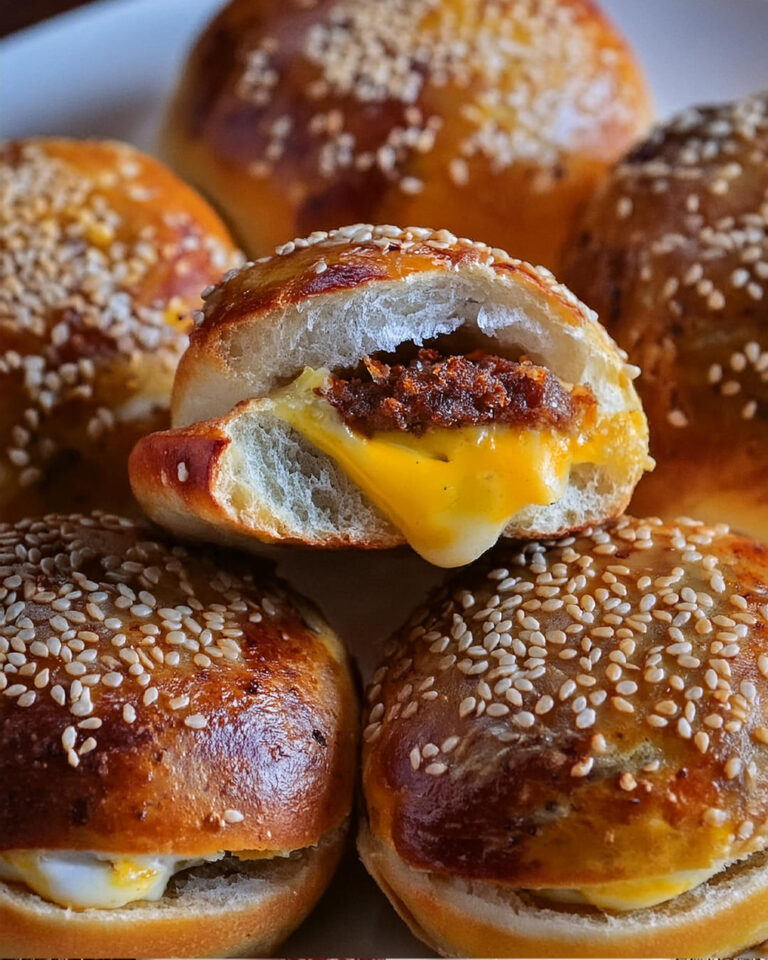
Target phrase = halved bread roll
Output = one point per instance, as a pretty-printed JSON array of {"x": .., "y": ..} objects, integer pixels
[{"x": 521, "y": 418}]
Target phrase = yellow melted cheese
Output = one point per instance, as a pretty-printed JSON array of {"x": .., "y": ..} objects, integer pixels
[
  {"x": 260, "y": 854},
  {"x": 452, "y": 492},
  {"x": 635, "y": 894}
]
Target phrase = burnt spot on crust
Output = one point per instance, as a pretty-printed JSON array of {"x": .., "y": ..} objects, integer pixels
[
  {"x": 434, "y": 390},
  {"x": 79, "y": 811},
  {"x": 320, "y": 737}
]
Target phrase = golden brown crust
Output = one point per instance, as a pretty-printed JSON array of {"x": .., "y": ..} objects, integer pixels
[
  {"x": 156, "y": 701},
  {"x": 265, "y": 902},
  {"x": 610, "y": 686},
  {"x": 293, "y": 116},
  {"x": 359, "y": 254},
  {"x": 673, "y": 255},
  {"x": 103, "y": 253},
  {"x": 462, "y": 921}
]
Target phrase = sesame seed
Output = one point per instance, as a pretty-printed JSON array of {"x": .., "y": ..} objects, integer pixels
[
  {"x": 715, "y": 817},
  {"x": 677, "y": 418},
  {"x": 684, "y": 728},
  {"x": 627, "y": 782},
  {"x": 583, "y": 767},
  {"x": 436, "y": 769},
  {"x": 585, "y": 718},
  {"x": 761, "y": 734},
  {"x": 733, "y": 767},
  {"x": 622, "y": 705},
  {"x": 544, "y": 705}
]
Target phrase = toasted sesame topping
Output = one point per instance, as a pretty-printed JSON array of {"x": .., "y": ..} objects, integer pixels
[
  {"x": 377, "y": 59},
  {"x": 91, "y": 609},
  {"x": 640, "y": 676},
  {"x": 196, "y": 722},
  {"x": 627, "y": 782},
  {"x": 715, "y": 817},
  {"x": 75, "y": 273},
  {"x": 692, "y": 207}
]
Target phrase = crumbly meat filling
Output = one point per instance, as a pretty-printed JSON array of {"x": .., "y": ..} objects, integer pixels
[{"x": 435, "y": 390}]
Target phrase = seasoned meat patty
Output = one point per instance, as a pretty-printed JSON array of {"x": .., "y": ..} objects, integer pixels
[{"x": 435, "y": 390}]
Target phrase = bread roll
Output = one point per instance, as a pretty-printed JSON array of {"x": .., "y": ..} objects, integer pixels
[
  {"x": 256, "y": 456},
  {"x": 565, "y": 750},
  {"x": 177, "y": 747},
  {"x": 493, "y": 119},
  {"x": 673, "y": 256},
  {"x": 103, "y": 253}
]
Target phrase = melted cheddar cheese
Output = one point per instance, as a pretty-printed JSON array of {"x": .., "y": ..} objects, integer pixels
[
  {"x": 452, "y": 492},
  {"x": 635, "y": 894}
]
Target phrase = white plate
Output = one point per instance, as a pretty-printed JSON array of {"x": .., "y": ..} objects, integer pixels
[{"x": 106, "y": 70}]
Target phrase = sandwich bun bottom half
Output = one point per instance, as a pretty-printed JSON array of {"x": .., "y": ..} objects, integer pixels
[{"x": 235, "y": 909}]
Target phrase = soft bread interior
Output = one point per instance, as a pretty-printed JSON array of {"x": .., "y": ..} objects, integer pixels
[
  {"x": 271, "y": 479},
  {"x": 458, "y": 917},
  {"x": 336, "y": 330}
]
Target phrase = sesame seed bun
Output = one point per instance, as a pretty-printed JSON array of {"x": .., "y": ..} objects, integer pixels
[
  {"x": 160, "y": 702},
  {"x": 495, "y": 120},
  {"x": 673, "y": 255},
  {"x": 230, "y": 470},
  {"x": 103, "y": 253},
  {"x": 574, "y": 713}
]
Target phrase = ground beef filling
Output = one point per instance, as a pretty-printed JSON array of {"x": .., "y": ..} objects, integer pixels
[{"x": 435, "y": 390}]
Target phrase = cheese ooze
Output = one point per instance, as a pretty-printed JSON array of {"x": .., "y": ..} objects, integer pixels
[
  {"x": 93, "y": 880},
  {"x": 635, "y": 894},
  {"x": 452, "y": 491}
]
